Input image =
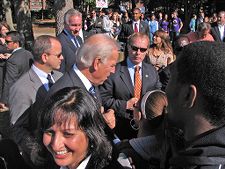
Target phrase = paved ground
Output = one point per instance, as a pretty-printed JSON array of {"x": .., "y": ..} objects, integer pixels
[{"x": 44, "y": 27}]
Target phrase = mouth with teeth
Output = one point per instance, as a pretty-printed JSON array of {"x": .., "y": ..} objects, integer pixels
[{"x": 61, "y": 154}]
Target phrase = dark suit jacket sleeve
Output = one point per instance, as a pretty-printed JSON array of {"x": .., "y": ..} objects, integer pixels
[
  {"x": 12, "y": 74},
  {"x": 108, "y": 93}
]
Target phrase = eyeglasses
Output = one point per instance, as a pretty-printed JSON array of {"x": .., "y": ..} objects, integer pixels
[
  {"x": 134, "y": 48},
  {"x": 57, "y": 55}
]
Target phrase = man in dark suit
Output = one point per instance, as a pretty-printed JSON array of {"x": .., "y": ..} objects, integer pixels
[
  {"x": 135, "y": 25},
  {"x": 118, "y": 91},
  {"x": 94, "y": 63},
  {"x": 70, "y": 39},
  {"x": 218, "y": 29},
  {"x": 31, "y": 87},
  {"x": 17, "y": 64}
]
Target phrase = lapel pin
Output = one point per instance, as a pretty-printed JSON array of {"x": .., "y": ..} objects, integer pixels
[{"x": 146, "y": 76}]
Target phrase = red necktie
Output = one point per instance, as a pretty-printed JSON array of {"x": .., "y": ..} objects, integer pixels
[
  {"x": 137, "y": 83},
  {"x": 135, "y": 27}
]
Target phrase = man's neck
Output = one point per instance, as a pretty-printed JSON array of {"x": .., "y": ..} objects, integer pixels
[
  {"x": 43, "y": 67},
  {"x": 196, "y": 126}
]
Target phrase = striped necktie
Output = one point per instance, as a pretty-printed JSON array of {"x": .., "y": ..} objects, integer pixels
[
  {"x": 50, "y": 81},
  {"x": 137, "y": 83},
  {"x": 93, "y": 92}
]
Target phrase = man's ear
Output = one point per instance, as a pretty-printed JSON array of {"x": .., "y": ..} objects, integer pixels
[
  {"x": 190, "y": 96},
  {"x": 96, "y": 63},
  {"x": 44, "y": 57}
]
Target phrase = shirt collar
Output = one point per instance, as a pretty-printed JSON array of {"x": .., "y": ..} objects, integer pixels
[
  {"x": 82, "y": 77},
  {"x": 39, "y": 72},
  {"x": 14, "y": 50},
  {"x": 138, "y": 22},
  {"x": 82, "y": 165},
  {"x": 131, "y": 65}
]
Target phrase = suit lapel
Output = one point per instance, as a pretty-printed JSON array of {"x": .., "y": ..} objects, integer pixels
[
  {"x": 145, "y": 78},
  {"x": 130, "y": 27},
  {"x": 71, "y": 45},
  {"x": 141, "y": 27},
  {"x": 125, "y": 76},
  {"x": 75, "y": 79},
  {"x": 37, "y": 84}
]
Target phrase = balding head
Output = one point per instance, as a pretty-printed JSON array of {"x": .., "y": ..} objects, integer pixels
[{"x": 99, "y": 45}]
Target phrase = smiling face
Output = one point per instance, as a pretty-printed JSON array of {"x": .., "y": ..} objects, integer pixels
[
  {"x": 67, "y": 143},
  {"x": 136, "y": 14},
  {"x": 3, "y": 31},
  {"x": 138, "y": 49},
  {"x": 75, "y": 24}
]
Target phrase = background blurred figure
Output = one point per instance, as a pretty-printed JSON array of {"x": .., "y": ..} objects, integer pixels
[
  {"x": 116, "y": 20},
  {"x": 202, "y": 33},
  {"x": 153, "y": 26},
  {"x": 70, "y": 39},
  {"x": 218, "y": 29},
  {"x": 165, "y": 24},
  {"x": 153, "y": 104},
  {"x": 193, "y": 22},
  {"x": 18, "y": 63},
  {"x": 160, "y": 53},
  {"x": 135, "y": 25},
  {"x": 201, "y": 17},
  {"x": 68, "y": 122},
  {"x": 176, "y": 25},
  {"x": 4, "y": 52}
]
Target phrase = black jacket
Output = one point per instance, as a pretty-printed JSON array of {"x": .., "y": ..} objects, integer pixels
[{"x": 207, "y": 151}]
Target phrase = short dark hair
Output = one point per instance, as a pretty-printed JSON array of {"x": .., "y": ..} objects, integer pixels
[
  {"x": 202, "y": 64},
  {"x": 16, "y": 37},
  {"x": 76, "y": 102},
  {"x": 42, "y": 45}
]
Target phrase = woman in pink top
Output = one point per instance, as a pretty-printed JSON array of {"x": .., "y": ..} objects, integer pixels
[{"x": 202, "y": 33}]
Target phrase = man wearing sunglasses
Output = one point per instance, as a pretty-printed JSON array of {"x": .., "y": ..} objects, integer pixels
[
  {"x": 16, "y": 65},
  {"x": 31, "y": 87},
  {"x": 118, "y": 91}
]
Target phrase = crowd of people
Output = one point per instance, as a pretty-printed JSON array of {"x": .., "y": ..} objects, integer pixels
[{"x": 74, "y": 104}]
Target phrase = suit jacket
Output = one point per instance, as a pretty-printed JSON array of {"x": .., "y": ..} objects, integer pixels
[
  {"x": 68, "y": 51},
  {"x": 72, "y": 80},
  {"x": 118, "y": 89},
  {"x": 127, "y": 30},
  {"x": 25, "y": 97},
  {"x": 17, "y": 64},
  {"x": 25, "y": 92},
  {"x": 216, "y": 33}
]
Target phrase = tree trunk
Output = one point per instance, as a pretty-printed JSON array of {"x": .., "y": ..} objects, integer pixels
[
  {"x": 61, "y": 6},
  {"x": 8, "y": 13},
  {"x": 24, "y": 21}
]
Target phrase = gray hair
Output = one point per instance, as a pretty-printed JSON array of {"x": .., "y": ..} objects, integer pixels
[
  {"x": 42, "y": 45},
  {"x": 69, "y": 13},
  {"x": 203, "y": 26},
  {"x": 98, "y": 45}
]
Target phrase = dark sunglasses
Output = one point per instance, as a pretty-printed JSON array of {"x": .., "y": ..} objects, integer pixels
[
  {"x": 134, "y": 48},
  {"x": 8, "y": 41}
]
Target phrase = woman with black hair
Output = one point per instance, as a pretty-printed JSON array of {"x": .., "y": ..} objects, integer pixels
[{"x": 73, "y": 131}]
